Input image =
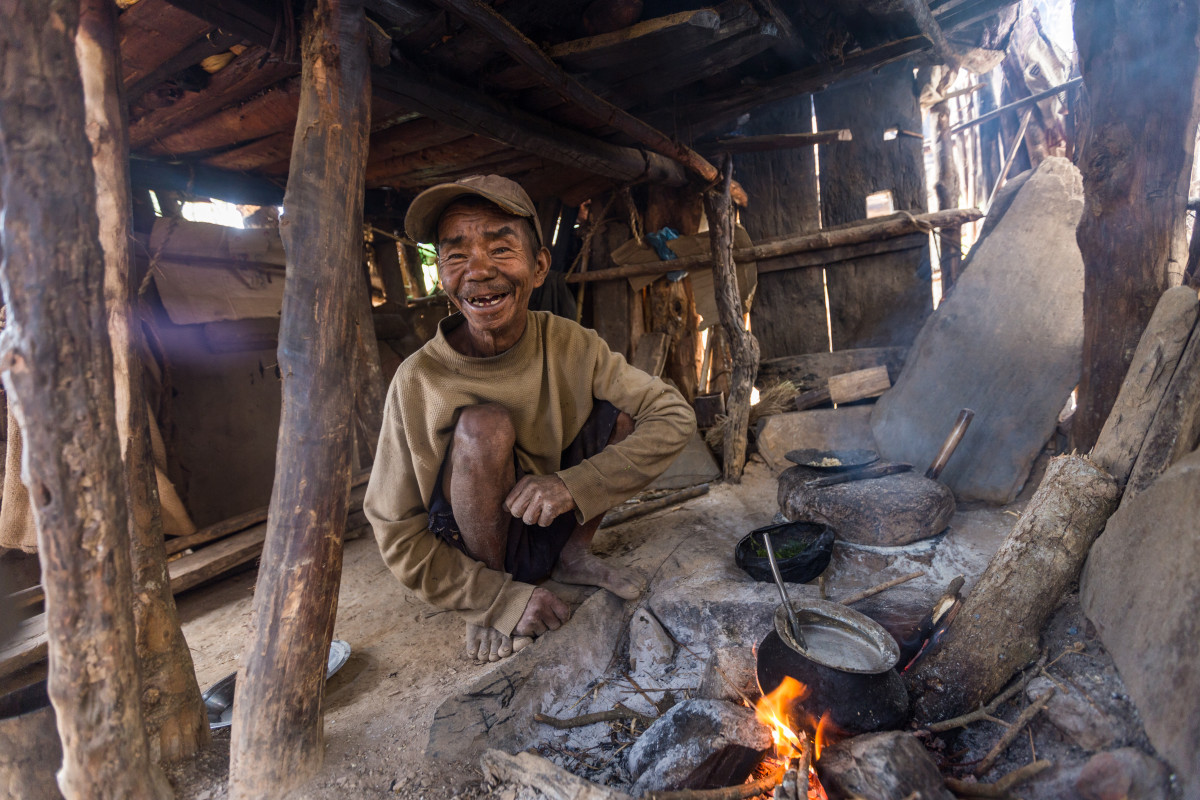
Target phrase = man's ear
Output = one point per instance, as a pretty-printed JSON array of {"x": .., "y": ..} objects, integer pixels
[{"x": 541, "y": 267}]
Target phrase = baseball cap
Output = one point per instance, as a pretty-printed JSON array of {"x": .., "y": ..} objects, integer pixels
[{"x": 421, "y": 221}]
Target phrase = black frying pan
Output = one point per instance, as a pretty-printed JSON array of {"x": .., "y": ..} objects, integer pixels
[{"x": 832, "y": 460}]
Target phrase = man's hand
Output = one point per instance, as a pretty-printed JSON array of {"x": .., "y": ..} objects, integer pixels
[
  {"x": 538, "y": 499},
  {"x": 543, "y": 612}
]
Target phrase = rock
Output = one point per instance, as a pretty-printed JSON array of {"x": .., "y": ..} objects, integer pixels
[
  {"x": 695, "y": 465},
  {"x": 882, "y": 512},
  {"x": 696, "y": 742},
  {"x": 1007, "y": 343},
  {"x": 650, "y": 648},
  {"x": 721, "y": 613},
  {"x": 1079, "y": 719},
  {"x": 845, "y": 428},
  {"x": 727, "y": 670},
  {"x": 881, "y": 766},
  {"x": 1141, "y": 589},
  {"x": 1125, "y": 774},
  {"x": 497, "y": 710}
]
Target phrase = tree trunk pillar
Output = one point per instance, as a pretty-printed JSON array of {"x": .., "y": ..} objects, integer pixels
[
  {"x": 176, "y": 723},
  {"x": 743, "y": 345},
  {"x": 278, "y": 741},
  {"x": 1141, "y": 79},
  {"x": 59, "y": 373}
]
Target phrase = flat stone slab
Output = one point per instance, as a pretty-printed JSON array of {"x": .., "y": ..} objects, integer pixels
[
  {"x": 1007, "y": 343},
  {"x": 846, "y": 428},
  {"x": 1141, "y": 588},
  {"x": 882, "y": 766}
]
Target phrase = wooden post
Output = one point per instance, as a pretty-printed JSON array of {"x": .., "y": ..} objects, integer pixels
[
  {"x": 59, "y": 372},
  {"x": 369, "y": 390},
  {"x": 947, "y": 196},
  {"x": 387, "y": 261},
  {"x": 176, "y": 723},
  {"x": 1135, "y": 155},
  {"x": 410, "y": 261},
  {"x": 743, "y": 345},
  {"x": 278, "y": 741}
]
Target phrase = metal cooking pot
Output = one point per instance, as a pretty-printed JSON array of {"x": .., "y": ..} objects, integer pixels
[{"x": 847, "y": 662}]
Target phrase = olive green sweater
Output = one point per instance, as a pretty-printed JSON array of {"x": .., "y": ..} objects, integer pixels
[{"x": 547, "y": 381}]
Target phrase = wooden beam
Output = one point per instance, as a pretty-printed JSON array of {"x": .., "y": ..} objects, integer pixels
[
  {"x": 470, "y": 110},
  {"x": 212, "y": 43},
  {"x": 278, "y": 737},
  {"x": 58, "y": 368},
  {"x": 487, "y": 20},
  {"x": 269, "y": 113},
  {"x": 869, "y": 231},
  {"x": 253, "y": 21},
  {"x": 251, "y": 72},
  {"x": 773, "y": 142},
  {"x": 176, "y": 725}
]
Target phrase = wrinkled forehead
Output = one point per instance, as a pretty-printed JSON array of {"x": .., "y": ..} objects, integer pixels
[{"x": 496, "y": 216}]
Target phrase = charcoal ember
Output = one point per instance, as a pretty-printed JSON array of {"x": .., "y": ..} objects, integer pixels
[
  {"x": 883, "y": 766},
  {"x": 728, "y": 671},
  {"x": 698, "y": 744},
  {"x": 650, "y": 646},
  {"x": 1124, "y": 774}
]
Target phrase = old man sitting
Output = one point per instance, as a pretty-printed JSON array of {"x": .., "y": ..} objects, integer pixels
[{"x": 508, "y": 435}]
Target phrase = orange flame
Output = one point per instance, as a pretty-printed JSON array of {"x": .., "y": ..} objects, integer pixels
[
  {"x": 773, "y": 711},
  {"x": 821, "y": 735}
]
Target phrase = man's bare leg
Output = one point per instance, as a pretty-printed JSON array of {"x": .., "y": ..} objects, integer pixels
[
  {"x": 577, "y": 565},
  {"x": 478, "y": 478}
]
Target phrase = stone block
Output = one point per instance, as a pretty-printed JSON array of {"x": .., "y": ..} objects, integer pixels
[
  {"x": 882, "y": 766},
  {"x": 728, "y": 670},
  {"x": 696, "y": 743},
  {"x": 1007, "y": 342},
  {"x": 846, "y": 428},
  {"x": 1076, "y": 716},
  {"x": 1141, "y": 589},
  {"x": 650, "y": 648},
  {"x": 1125, "y": 774}
]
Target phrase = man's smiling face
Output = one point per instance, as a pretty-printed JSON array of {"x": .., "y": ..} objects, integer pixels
[{"x": 489, "y": 264}]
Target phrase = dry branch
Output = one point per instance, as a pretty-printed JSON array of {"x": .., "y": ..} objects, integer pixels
[
  {"x": 986, "y": 712},
  {"x": 874, "y": 590},
  {"x": 1002, "y": 787},
  {"x": 611, "y": 715},
  {"x": 996, "y": 633},
  {"x": 1014, "y": 730},
  {"x": 739, "y": 792},
  {"x": 617, "y": 516}
]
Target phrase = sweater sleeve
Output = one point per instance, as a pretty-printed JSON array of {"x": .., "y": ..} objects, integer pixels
[
  {"x": 441, "y": 574},
  {"x": 663, "y": 423}
]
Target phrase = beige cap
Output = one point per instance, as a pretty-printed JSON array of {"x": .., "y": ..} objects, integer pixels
[{"x": 421, "y": 221}]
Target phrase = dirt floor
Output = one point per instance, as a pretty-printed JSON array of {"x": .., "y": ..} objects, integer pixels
[{"x": 406, "y": 662}]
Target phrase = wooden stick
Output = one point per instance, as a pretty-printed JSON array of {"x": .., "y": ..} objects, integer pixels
[
  {"x": 1012, "y": 155},
  {"x": 739, "y": 792},
  {"x": 986, "y": 712},
  {"x": 617, "y": 516},
  {"x": 611, "y": 715},
  {"x": 874, "y": 590},
  {"x": 548, "y": 778},
  {"x": 1002, "y": 787},
  {"x": 743, "y": 346},
  {"x": 929, "y": 27},
  {"x": 897, "y": 225},
  {"x": 776, "y": 141},
  {"x": 1024, "y": 101},
  {"x": 1013, "y": 731},
  {"x": 525, "y": 52}
]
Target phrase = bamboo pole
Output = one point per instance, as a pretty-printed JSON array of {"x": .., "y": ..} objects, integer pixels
[
  {"x": 278, "y": 741},
  {"x": 59, "y": 372},
  {"x": 176, "y": 724}
]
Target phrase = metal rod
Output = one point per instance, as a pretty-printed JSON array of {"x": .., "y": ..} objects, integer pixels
[{"x": 793, "y": 623}]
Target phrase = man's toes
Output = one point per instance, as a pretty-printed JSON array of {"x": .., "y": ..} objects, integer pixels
[
  {"x": 474, "y": 642},
  {"x": 521, "y": 642},
  {"x": 506, "y": 647}
]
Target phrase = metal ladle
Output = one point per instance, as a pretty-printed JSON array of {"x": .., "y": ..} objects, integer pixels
[{"x": 793, "y": 623}]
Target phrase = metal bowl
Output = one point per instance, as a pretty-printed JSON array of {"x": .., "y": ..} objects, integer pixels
[
  {"x": 832, "y": 460},
  {"x": 800, "y": 568},
  {"x": 218, "y": 698}
]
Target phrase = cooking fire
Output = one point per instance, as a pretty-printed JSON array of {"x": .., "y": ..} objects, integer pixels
[{"x": 795, "y": 752}]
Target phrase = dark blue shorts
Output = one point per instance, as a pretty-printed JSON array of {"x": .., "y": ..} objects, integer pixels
[{"x": 533, "y": 550}]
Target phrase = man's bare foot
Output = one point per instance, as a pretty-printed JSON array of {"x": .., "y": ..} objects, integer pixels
[
  {"x": 578, "y": 566},
  {"x": 489, "y": 644}
]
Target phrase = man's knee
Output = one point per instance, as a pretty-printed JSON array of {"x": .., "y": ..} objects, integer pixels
[
  {"x": 621, "y": 428},
  {"x": 485, "y": 430}
]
